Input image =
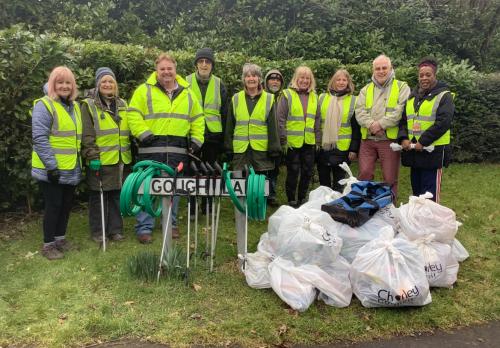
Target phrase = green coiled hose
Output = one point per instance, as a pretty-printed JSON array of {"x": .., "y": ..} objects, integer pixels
[{"x": 131, "y": 202}]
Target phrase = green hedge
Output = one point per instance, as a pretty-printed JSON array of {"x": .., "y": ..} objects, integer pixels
[{"x": 26, "y": 60}]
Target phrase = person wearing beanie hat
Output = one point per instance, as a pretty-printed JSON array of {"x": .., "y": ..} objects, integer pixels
[
  {"x": 426, "y": 121},
  {"x": 212, "y": 95},
  {"x": 273, "y": 83},
  {"x": 106, "y": 151}
]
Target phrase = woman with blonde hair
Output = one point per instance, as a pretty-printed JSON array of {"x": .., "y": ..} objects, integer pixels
[
  {"x": 339, "y": 131},
  {"x": 56, "y": 134},
  {"x": 106, "y": 149},
  {"x": 298, "y": 132}
]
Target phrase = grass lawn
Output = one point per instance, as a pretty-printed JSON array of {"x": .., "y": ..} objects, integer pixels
[{"x": 89, "y": 297}]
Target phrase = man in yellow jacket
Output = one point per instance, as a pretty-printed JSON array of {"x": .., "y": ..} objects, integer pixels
[{"x": 166, "y": 117}]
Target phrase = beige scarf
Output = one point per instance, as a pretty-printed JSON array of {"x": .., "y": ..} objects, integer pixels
[{"x": 332, "y": 123}]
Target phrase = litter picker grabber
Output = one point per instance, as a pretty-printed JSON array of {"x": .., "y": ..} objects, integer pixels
[
  {"x": 178, "y": 169},
  {"x": 222, "y": 184},
  {"x": 213, "y": 175},
  {"x": 103, "y": 220},
  {"x": 188, "y": 242},
  {"x": 196, "y": 172},
  {"x": 204, "y": 169}
]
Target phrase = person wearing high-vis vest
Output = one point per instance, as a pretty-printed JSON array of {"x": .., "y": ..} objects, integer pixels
[
  {"x": 166, "y": 117},
  {"x": 55, "y": 161},
  {"x": 251, "y": 135},
  {"x": 426, "y": 122},
  {"x": 106, "y": 151},
  {"x": 340, "y": 134},
  {"x": 378, "y": 111},
  {"x": 273, "y": 83},
  {"x": 297, "y": 117},
  {"x": 212, "y": 95}
]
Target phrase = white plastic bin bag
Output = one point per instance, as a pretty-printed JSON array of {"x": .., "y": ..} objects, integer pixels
[
  {"x": 353, "y": 238},
  {"x": 296, "y": 293},
  {"x": 421, "y": 217},
  {"x": 347, "y": 182},
  {"x": 390, "y": 272},
  {"x": 459, "y": 251}
]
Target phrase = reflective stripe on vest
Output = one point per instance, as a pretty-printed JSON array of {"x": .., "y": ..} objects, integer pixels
[
  {"x": 65, "y": 135},
  {"x": 392, "y": 103},
  {"x": 113, "y": 140},
  {"x": 251, "y": 129},
  {"x": 212, "y": 103},
  {"x": 419, "y": 122},
  {"x": 300, "y": 127},
  {"x": 165, "y": 117},
  {"x": 346, "y": 110}
]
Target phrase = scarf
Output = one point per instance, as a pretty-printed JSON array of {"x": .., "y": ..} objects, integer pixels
[{"x": 333, "y": 120}]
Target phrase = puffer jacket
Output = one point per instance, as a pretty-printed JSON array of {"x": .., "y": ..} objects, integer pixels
[{"x": 41, "y": 123}]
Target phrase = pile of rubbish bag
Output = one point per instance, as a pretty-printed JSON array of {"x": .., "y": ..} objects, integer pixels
[{"x": 390, "y": 260}]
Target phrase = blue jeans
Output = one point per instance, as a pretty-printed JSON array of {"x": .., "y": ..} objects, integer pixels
[{"x": 146, "y": 223}]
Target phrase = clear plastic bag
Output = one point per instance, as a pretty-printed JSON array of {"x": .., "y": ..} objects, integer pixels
[
  {"x": 421, "y": 217},
  {"x": 459, "y": 251},
  {"x": 441, "y": 267},
  {"x": 353, "y": 238},
  {"x": 389, "y": 272},
  {"x": 347, "y": 182},
  {"x": 296, "y": 293},
  {"x": 256, "y": 270}
]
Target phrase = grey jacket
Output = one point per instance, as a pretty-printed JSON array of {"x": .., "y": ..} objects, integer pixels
[{"x": 41, "y": 123}]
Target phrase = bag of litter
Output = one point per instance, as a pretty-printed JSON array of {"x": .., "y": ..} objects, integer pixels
[
  {"x": 353, "y": 238},
  {"x": 459, "y": 251},
  {"x": 256, "y": 270},
  {"x": 351, "y": 179},
  {"x": 390, "y": 272},
  {"x": 440, "y": 265},
  {"x": 275, "y": 220},
  {"x": 421, "y": 217},
  {"x": 307, "y": 238},
  {"x": 296, "y": 293},
  {"x": 332, "y": 281},
  {"x": 318, "y": 197}
]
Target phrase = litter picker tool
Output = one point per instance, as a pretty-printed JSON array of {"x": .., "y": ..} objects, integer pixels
[
  {"x": 103, "y": 221},
  {"x": 207, "y": 210},
  {"x": 196, "y": 172},
  {"x": 178, "y": 169}
]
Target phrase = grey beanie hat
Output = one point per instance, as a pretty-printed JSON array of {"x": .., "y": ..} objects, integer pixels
[
  {"x": 205, "y": 53},
  {"x": 103, "y": 71}
]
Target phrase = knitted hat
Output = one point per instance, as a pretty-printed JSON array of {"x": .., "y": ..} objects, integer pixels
[
  {"x": 274, "y": 74},
  {"x": 101, "y": 72},
  {"x": 205, "y": 53}
]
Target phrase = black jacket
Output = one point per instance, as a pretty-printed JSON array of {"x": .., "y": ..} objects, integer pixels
[{"x": 441, "y": 155}]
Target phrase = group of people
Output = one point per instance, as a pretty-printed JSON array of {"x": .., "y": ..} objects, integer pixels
[{"x": 262, "y": 125}]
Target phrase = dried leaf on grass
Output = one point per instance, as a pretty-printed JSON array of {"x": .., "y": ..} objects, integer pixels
[
  {"x": 195, "y": 316},
  {"x": 196, "y": 287},
  {"x": 282, "y": 329}
]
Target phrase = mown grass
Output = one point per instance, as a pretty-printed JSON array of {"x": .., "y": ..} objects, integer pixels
[{"x": 90, "y": 297}]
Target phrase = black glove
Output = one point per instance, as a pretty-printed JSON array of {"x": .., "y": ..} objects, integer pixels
[
  {"x": 194, "y": 148},
  {"x": 147, "y": 141},
  {"x": 53, "y": 176}
]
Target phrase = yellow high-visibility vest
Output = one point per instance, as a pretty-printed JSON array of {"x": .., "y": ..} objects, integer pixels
[
  {"x": 65, "y": 135},
  {"x": 419, "y": 122},
  {"x": 251, "y": 129},
  {"x": 212, "y": 103},
  {"x": 300, "y": 129},
  {"x": 345, "y": 130},
  {"x": 392, "y": 103},
  {"x": 113, "y": 140}
]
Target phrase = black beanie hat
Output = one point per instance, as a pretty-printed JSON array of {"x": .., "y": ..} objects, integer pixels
[{"x": 205, "y": 53}]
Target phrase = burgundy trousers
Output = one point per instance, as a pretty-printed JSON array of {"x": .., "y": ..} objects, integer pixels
[{"x": 371, "y": 151}]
